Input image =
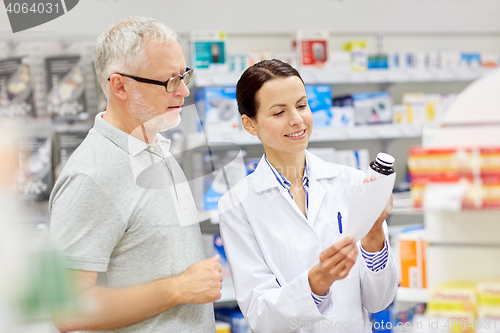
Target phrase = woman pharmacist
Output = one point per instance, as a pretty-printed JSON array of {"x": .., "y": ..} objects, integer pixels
[{"x": 292, "y": 268}]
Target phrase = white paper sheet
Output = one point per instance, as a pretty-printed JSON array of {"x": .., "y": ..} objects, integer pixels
[{"x": 366, "y": 202}]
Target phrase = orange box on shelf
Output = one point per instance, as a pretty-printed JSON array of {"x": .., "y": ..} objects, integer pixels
[
  {"x": 413, "y": 259},
  {"x": 490, "y": 193},
  {"x": 450, "y": 163},
  {"x": 490, "y": 162},
  {"x": 478, "y": 168},
  {"x": 480, "y": 193},
  {"x": 470, "y": 199}
]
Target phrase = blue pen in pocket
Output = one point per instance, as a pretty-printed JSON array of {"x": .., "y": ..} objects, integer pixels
[{"x": 339, "y": 219}]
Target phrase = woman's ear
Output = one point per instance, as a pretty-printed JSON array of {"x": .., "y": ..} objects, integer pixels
[{"x": 248, "y": 124}]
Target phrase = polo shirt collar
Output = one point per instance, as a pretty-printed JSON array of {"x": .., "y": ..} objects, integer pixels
[{"x": 125, "y": 141}]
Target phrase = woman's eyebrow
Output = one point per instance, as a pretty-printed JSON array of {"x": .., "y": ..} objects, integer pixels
[
  {"x": 274, "y": 105},
  {"x": 302, "y": 98}
]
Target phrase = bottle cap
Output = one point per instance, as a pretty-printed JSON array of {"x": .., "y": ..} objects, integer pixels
[{"x": 385, "y": 159}]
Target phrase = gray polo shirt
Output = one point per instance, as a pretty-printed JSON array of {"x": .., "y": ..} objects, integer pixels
[{"x": 115, "y": 210}]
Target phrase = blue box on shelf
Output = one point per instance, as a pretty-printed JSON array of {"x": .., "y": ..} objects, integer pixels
[{"x": 320, "y": 103}]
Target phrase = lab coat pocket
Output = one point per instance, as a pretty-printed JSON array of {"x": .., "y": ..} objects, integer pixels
[
  {"x": 346, "y": 305},
  {"x": 337, "y": 229}
]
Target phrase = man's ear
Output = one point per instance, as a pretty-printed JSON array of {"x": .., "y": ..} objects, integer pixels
[
  {"x": 119, "y": 87},
  {"x": 248, "y": 124}
]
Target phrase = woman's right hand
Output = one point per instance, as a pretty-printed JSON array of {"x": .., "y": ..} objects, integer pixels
[{"x": 334, "y": 264}]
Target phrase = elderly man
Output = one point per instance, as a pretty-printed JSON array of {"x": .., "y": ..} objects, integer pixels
[{"x": 121, "y": 210}]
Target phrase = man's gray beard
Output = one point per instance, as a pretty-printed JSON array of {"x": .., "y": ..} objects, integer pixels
[
  {"x": 162, "y": 122},
  {"x": 142, "y": 110}
]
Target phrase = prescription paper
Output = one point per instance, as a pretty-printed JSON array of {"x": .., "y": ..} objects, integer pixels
[{"x": 366, "y": 202}]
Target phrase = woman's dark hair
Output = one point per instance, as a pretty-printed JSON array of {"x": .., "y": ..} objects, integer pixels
[{"x": 252, "y": 80}]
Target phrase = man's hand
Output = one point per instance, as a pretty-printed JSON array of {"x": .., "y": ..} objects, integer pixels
[
  {"x": 334, "y": 264},
  {"x": 201, "y": 282},
  {"x": 118, "y": 307},
  {"x": 374, "y": 240}
]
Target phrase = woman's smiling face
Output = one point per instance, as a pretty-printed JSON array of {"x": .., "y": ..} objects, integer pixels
[{"x": 284, "y": 120}]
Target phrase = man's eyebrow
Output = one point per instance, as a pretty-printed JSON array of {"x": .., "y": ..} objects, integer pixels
[{"x": 179, "y": 72}]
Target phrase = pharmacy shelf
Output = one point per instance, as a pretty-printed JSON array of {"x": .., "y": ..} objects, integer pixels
[
  {"x": 368, "y": 132},
  {"x": 412, "y": 295},
  {"x": 407, "y": 211},
  {"x": 316, "y": 76}
]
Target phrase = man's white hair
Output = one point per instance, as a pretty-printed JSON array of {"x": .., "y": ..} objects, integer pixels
[{"x": 121, "y": 47}]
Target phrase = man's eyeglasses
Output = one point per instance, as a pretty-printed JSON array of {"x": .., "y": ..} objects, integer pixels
[{"x": 170, "y": 85}]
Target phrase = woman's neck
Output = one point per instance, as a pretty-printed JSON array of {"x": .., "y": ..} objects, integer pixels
[{"x": 291, "y": 165}]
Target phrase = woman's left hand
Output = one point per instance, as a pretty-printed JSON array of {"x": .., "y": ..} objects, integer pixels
[{"x": 374, "y": 240}]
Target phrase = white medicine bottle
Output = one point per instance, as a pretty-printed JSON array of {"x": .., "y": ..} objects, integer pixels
[{"x": 381, "y": 167}]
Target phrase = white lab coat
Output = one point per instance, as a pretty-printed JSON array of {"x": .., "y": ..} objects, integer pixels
[{"x": 271, "y": 247}]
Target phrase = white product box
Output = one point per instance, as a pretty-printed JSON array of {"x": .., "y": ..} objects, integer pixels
[
  {"x": 394, "y": 60},
  {"x": 415, "y": 107},
  {"x": 359, "y": 54},
  {"x": 420, "y": 61},
  {"x": 238, "y": 62},
  {"x": 372, "y": 108},
  {"x": 432, "y": 60},
  {"x": 490, "y": 59},
  {"x": 359, "y": 159},
  {"x": 218, "y": 112},
  {"x": 449, "y": 59},
  {"x": 399, "y": 114},
  {"x": 342, "y": 116},
  {"x": 339, "y": 60}
]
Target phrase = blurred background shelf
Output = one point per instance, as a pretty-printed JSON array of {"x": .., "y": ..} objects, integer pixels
[
  {"x": 208, "y": 215},
  {"x": 228, "y": 294},
  {"x": 325, "y": 76},
  {"x": 386, "y": 131},
  {"x": 407, "y": 211},
  {"x": 412, "y": 295}
]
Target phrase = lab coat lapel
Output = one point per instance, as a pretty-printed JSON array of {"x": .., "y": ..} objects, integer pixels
[
  {"x": 316, "y": 196},
  {"x": 318, "y": 169}
]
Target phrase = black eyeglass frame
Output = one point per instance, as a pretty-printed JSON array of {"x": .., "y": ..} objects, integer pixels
[{"x": 188, "y": 73}]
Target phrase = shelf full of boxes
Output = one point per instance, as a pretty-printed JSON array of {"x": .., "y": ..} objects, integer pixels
[
  {"x": 217, "y": 74},
  {"x": 455, "y": 179},
  {"x": 417, "y": 110}
]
